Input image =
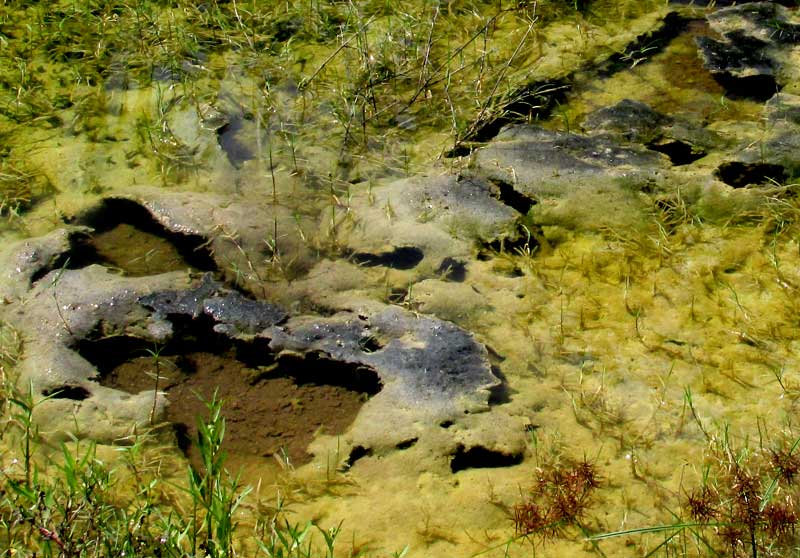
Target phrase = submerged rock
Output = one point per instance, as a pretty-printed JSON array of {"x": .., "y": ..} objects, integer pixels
[
  {"x": 26, "y": 260},
  {"x": 425, "y": 364},
  {"x": 636, "y": 122},
  {"x": 577, "y": 181},
  {"x": 426, "y": 367},
  {"x": 232, "y": 313},
  {"x": 750, "y": 58}
]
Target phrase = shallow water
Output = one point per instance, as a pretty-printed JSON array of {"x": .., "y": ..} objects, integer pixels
[{"x": 637, "y": 349}]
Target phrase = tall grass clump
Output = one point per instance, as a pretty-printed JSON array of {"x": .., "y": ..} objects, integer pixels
[{"x": 68, "y": 501}]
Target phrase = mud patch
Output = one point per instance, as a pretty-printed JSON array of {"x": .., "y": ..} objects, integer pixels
[
  {"x": 265, "y": 415},
  {"x": 271, "y": 406},
  {"x": 129, "y": 239}
]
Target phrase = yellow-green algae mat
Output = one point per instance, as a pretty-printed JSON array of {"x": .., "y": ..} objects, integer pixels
[{"x": 641, "y": 348}]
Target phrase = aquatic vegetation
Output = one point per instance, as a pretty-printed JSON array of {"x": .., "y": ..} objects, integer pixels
[
  {"x": 20, "y": 187},
  {"x": 746, "y": 504},
  {"x": 634, "y": 340},
  {"x": 75, "y": 502},
  {"x": 560, "y": 500}
]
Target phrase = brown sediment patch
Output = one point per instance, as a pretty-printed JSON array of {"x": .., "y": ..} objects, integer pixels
[
  {"x": 138, "y": 253},
  {"x": 266, "y": 412},
  {"x": 127, "y": 237}
]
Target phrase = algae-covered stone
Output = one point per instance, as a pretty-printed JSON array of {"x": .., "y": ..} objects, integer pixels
[
  {"x": 754, "y": 56},
  {"x": 634, "y": 121},
  {"x": 425, "y": 364},
  {"x": 578, "y": 181},
  {"x": 26, "y": 259}
]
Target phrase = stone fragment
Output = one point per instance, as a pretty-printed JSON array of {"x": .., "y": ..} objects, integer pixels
[
  {"x": 577, "y": 181},
  {"x": 750, "y": 56}
]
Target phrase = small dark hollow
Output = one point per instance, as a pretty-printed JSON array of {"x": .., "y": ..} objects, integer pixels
[
  {"x": 460, "y": 150},
  {"x": 75, "y": 393},
  {"x": 757, "y": 87},
  {"x": 501, "y": 393},
  {"x": 402, "y": 257},
  {"x": 80, "y": 255},
  {"x": 739, "y": 175},
  {"x": 107, "y": 353},
  {"x": 508, "y": 195},
  {"x": 355, "y": 454},
  {"x": 114, "y": 212},
  {"x": 679, "y": 153},
  {"x": 478, "y": 457},
  {"x": 317, "y": 369},
  {"x": 369, "y": 344},
  {"x": 452, "y": 269},
  {"x": 405, "y": 444},
  {"x": 397, "y": 296},
  {"x": 182, "y": 438},
  {"x": 227, "y": 137},
  {"x": 446, "y": 424}
]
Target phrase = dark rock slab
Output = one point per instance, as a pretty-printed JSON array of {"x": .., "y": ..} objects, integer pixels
[
  {"x": 423, "y": 362},
  {"x": 545, "y": 151},
  {"x": 748, "y": 57},
  {"x": 236, "y": 314},
  {"x": 636, "y": 122},
  {"x": 190, "y": 303},
  {"x": 231, "y": 312},
  {"x": 576, "y": 181}
]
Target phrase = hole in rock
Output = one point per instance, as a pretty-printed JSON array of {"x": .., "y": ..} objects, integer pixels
[
  {"x": 679, "y": 153},
  {"x": 405, "y": 444},
  {"x": 355, "y": 454},
  {"x": 369, "y": 344},
  {"x": 270, "y": 405},
  {"x": 446, "y": 424},
  {"x": 452, "y": 269},
  {"x": 508, "y": 195},
  {"x": 75, "y": 393},
  {"x": 129, "y": 238},
  {"x": 524, "y": 241},
  {"x": 478, "y": 457},
  {"x": 228, "y": 139},
  {"x": 501, "y": 393},
  {"x": 739, "y": 175},
  {"x": 757, "y": 87},
  {"x": 402, "y": 257}
]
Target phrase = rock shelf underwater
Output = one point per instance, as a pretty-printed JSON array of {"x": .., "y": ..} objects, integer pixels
[{"x": 519, "y": 248}]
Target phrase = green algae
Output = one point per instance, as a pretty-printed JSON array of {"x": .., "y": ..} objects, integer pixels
[{"x": 603, "y": 333}]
